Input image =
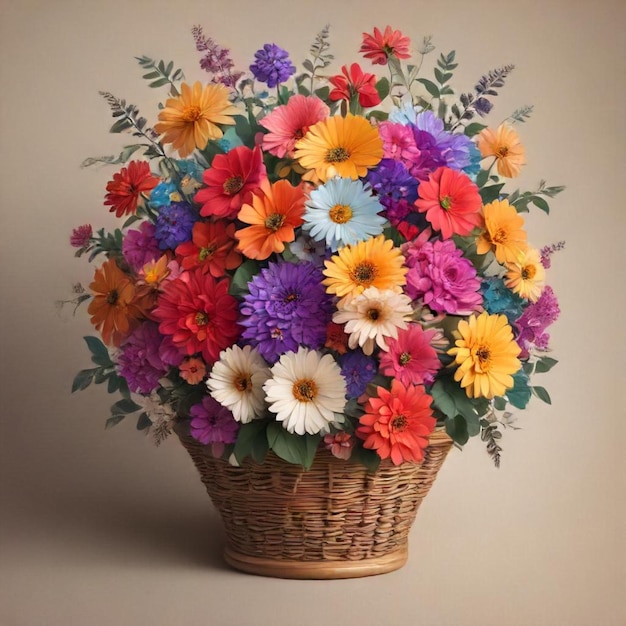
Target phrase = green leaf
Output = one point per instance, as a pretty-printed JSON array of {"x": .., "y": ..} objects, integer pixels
[
  {"x": 114, "y": 420},
  {"x": 160, "y": 82},
  {"x": 473, "y": 129},
  {"x": 542, "y": 394},
  {"x": 124, "y": 406},
  {"x": 382, "y": 87},
  {"x": 297, "y": 449},
  {"x": 100, "y": 354},
  {"x": 143, "y": 422},
  {"x": 545, "y": 364},
  {"x": 120, "y": 126},
  {"x": 83, "y": 379},
  {"x": 540, "y": 203},
  {"x": 491, "y": 193},
  {"x": 431, "y": 88},
  {"x": 482, "y": 178},
  {"x": 368, "y": 458},
  {"x": 499, "y": 403},
  {"x": 519, "y": 395},
  {"x": 243, "y": 275},
  {"x": 247, "y": 435},
  {"x": 456, "y": 428}
]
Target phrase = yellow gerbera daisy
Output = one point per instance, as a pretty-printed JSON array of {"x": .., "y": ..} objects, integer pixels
[
  {"x": 374, "y": 262},
  {"x": 504, "y": 144},
  {"x": 191, "y": 119},
  {"x": 486, "y": 355},
  {"x": 526, "y": 277},
  {"x": 504, "y": 232},
  {"x": 340, "y": 146}
]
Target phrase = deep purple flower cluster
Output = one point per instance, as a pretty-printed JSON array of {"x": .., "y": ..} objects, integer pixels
[
  {"x": 358, "y": 370},
  {"x": 140, "y": 246},
  {"x": 174, "y": 224},
  {"x": 212, "y": 423},
  {"x": 273, "y": 65},
  {"x": 287, "y": 306},
  {"x": 395, "y": 188},
  {"x": 139, "y": 361}
]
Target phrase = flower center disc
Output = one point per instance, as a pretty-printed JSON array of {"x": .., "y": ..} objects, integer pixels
[
  {"x": 404, "y": 358},
  {"x": 274, "y": 222},
  {"x": 529, "y": 271},
  {"x": 337, "y": 155},
  {"x": 232, "y": 185},
  {"x": 340, "y": 213},
  {"x": 364, "y": 273},
  {"x": 243, "y": 382},
  {"x": 192, "y": 113},
  {"x": 112, "y": 296},
  {"x": 399, "y": 423},
  {"x": 202, "y": 319},
  {"x": 304, "y": 390},
  {"x": 373, "y": 314}
]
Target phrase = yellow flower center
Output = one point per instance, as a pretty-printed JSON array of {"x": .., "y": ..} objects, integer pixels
[
  {"x": 232, "y": 185},
  {"x": 499, "y": 236},
  {"x": 304, "y": 390},
  {"x": 274, "y": 221},
  {"x": 528, "y": 272},
  {"x": 364, "y": 273},
  {"x": 483, "y": 356},
  {"x": 202, "y": 319},
  {"x": 404, "y": 358},
  {"x": 206, "y": 253},
  {"x": 340, "y": 213},
  {"x": 191, "y": 113},
  {"x": 502, "y": 152},
  {"x": 337, "y": 155},
  {"x": 243, "y": 382},
  {"x": 399, "y": 423}
]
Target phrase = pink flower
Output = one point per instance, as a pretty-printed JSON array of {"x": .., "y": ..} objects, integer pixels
[
  {"x": 398, "y": 142},
  {"x": 354, "y": 82},
  {"x": 410, "y": 358},
  {"x": 81, "y": 236},
  {"x": 289, "y": 122},
  {"x": 380, "y": 46},
  {"x": 340, "y": 444}
]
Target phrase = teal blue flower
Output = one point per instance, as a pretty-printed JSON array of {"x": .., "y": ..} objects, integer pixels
[{"x": 343, "y": 211}]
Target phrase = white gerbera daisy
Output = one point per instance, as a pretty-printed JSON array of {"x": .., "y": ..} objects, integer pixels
[
  {"x": 306, "y": 392},
  {"x": 373, "y": 315},
  {"x": 343, "y": 211},
  {"x": 236, "y": 382}
]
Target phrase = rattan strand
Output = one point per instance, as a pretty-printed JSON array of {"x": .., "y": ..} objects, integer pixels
[{"x": 336, "y": 511}]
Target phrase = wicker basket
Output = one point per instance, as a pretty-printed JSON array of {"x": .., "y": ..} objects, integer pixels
[{"x": 335, "y": 520}]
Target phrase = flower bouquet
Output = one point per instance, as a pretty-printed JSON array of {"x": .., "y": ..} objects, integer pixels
[{"x": 318, "y": 272}]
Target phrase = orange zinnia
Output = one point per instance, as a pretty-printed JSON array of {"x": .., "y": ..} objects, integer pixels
[
  {"x": 114, "y": 310},
  {"x": 504, "y": 232},
  {"x": 504, "y": 144},
  {"x": 191, "y": 120},
  {"x": 275, "y": 212}
]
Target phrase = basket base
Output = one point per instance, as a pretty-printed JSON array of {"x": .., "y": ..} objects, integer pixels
[{"x": 320, "y": 570}]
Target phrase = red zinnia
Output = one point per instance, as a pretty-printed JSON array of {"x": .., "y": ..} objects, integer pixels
[
  {"x": 355, "y": 82},
  {"x": 230, "y": 181},
  {"x": 397, "y": 423},
  {"x": 380, "y": 46},
  {"x": 212, "y": 248},
  {"x": 451, "y": 202},
  {"x": 127, "y": 185},
  {"x": 199, "y": 315}
]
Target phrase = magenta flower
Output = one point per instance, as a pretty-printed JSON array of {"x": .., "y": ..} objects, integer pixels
[
  {"x": 81, "y": 236},
  {"x": 211, "y": 423},
  {"x": 536, "y": 318},
  {"x": 140, "y": 246},
  {"x": 410, "y": 358},
  {"x": 440, "y": 275}
]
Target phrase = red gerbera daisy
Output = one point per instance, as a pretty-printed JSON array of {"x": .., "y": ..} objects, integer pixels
[
  {"x": 380, "y": 46},
  {"x": 199, "y": 314},
  {"x": 212, "y": 248},
  {"x": 451, "y": 202},
  {"x": 230, "y": 181},
  {"x": 355, "y": 82},
  {"x": 397, "y": 423},
  {"x": 127, "y": 185}
]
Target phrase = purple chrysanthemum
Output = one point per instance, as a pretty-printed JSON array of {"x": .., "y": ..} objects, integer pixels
[
  {"x": 272, "y": 65},
  {"x": 395, "y": 187},
  {"x": 140, "y": 246},
  {"x": 429, "y": 154},
  {"x": 81, "y": 236},
  {"x": 358, "y": 370},
  {"x": 174, "y": 225},
  {"x": 139, "y": 361},
  {"x": 536, "y": 318},
  {"x": 442, "y": 277},
  {"x": 212, "y": 423},
  {"x": 287, "y": 306}
]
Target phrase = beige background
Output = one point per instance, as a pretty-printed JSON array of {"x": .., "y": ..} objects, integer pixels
[{"x": 102, "y": 528}]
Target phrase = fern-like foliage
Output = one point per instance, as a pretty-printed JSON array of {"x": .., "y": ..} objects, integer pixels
[
  {"x": 522, "y": 114},
  {"x": 521, "y": 200},
  {"x": 160, "y": 74},
  {"x": 491, "y": 435},
  {"x": 320, "y": 59}
]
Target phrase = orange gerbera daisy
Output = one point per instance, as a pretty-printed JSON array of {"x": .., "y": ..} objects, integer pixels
[
  {"x": 114, "y": 310},
  {"x": 526, "y": 277},
  {"x": 504, "y": 232},
  {"x": 343, "y": 146},
  {"x": 504, "y": 144},
  {"x": 486, "y": 354},
  {"x": 375, "y": 262},
  {"x": 191, "y": 119},
  {"x": 275, "y": 212}
]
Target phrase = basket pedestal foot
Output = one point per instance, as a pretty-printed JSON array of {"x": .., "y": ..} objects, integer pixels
[{"x": 322, "y": 570}]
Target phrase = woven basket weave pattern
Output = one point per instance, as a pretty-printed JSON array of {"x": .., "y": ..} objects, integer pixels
[{"x": 335, "y": 511}]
